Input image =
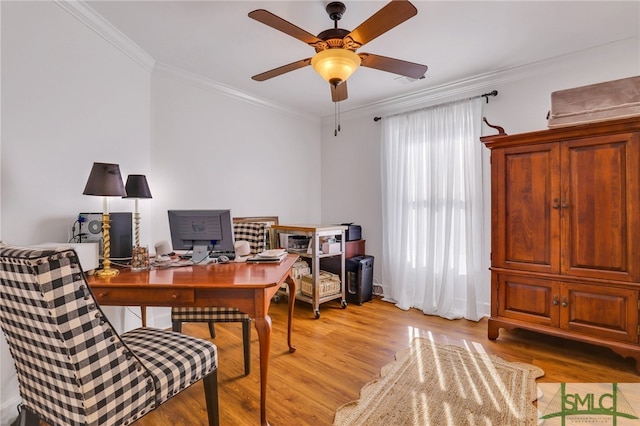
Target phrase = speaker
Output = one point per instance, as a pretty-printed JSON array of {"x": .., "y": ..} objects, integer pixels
[
  {"x": 91, "y": 228},
  {"x": 120, "y": 233}
]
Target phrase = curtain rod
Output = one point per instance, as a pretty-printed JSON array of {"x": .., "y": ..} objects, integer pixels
[{"x": 484, "y": 95}]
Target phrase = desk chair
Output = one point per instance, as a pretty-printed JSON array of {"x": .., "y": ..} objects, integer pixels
[
  {"x": 73, "y": 368},
  {"x": 256, "y": 234}
]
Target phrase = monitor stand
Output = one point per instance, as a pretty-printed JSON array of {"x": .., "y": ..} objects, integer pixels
[{"x": 199, "y": 254}]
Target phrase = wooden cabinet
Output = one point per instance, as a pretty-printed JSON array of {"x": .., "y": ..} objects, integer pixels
[
  {"x": 565, "y": 248},
  {"x": 351, "y": 249},
  {"x": 354, "y": 248},
  {"x": 525, "y": 230},
  {"x": 593, "y": 310}
]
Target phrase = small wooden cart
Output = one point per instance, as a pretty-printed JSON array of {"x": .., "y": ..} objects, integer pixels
[{"x": 316, "y": 233}]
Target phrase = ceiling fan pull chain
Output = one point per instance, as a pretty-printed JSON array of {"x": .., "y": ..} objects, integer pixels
[{"x": 336, "y": 118}]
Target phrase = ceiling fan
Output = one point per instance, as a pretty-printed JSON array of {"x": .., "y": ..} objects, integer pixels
[{"x": 335, "y": 59}]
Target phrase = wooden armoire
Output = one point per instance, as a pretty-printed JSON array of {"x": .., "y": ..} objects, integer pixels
[{"x": 565, "y": 243}]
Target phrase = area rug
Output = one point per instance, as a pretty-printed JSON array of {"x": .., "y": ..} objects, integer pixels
[{"x": 429, "y": 384}]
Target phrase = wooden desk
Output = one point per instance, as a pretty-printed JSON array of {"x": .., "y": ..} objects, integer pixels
[{"x": 248, "y": 287}]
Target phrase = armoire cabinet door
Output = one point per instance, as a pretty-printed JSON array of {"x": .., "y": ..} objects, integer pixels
[
  {"x": 526, "y": 298},
  {"x": 525, "y": 208},
  {"x": 600, "y": 311},
  {"x": 600, "y": 207}
]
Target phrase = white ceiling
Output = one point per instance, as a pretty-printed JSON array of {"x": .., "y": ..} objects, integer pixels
[{"x": 458, "y": 40}]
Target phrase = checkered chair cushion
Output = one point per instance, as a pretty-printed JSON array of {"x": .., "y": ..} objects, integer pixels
[
  {"x": 216, "y": 314},
  {"x": 212, "y": 315},
  {"x": 72, "y": 366},
  {"x": 255, "y": 233}
]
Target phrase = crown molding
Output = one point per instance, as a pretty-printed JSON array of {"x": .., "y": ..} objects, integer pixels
[
  {"x": 455, "y": 90},
  {"x": 469, "y": 87},
  {"x": 94, "y": 21},
  {"x": 163, "y": 69},
  {"x": 83, "y": 12}
]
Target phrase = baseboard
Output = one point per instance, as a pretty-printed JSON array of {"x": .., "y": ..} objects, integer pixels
[
  {"x": 484, "y": 309},
  {"x": 9, "y": 409}
]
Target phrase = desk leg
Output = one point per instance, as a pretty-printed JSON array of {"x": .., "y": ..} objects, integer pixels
[
  {"x": 143, "y": 315},
  {"x": 291, "y": 284},
  {"x": 263, "y": 326}
]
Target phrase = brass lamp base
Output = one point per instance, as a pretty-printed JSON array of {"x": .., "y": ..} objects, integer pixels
[{"x": 107, "y": 272}]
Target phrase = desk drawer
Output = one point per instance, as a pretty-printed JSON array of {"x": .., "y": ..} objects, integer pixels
[{"x": 148, "y": 297}]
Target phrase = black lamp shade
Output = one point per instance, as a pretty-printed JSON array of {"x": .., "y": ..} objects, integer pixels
[
  {"x": 105, "y": 180},
  {"x": 137, "y": 187}
]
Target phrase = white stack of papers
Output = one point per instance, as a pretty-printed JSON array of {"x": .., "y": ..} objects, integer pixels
[{"x": 269, "y": 256}]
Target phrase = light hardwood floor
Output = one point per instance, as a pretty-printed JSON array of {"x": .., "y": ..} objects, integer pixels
[{"x": 344, "y": 349}]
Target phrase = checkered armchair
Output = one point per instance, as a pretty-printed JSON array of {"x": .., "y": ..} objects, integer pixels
[
  {"x": 72, "y": 366},
  {"x": 256, "y": 234}
]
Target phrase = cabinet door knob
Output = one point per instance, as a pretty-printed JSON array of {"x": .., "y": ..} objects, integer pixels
[
  {"x": 564, "y": 302},
  {"x": 555, "y": 301},
  {"x": 556, "y": 203},
  {"x": 564, "y": 203}
]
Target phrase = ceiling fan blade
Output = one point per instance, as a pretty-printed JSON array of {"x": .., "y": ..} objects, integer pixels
[
  {"x": 396, "y": 66},
  {"x": 281, "y": 70},
  {"x": 339, "y": 92},
  {"x": 286, "y": 27},
  {"x": 391, "y": 15}
]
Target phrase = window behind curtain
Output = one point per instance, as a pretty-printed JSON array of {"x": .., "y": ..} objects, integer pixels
[{"x": 433, "y": 209}]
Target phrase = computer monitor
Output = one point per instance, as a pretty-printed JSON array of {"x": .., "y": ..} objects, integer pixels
[{"x": 202, "y": 231}]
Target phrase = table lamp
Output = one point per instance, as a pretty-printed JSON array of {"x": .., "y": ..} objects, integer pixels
[
  {"x": 105, "y": 181},
  {"x": 137, "y": 187}
]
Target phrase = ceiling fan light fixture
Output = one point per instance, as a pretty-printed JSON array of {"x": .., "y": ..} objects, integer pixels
[{"x": 335, "y": 65}]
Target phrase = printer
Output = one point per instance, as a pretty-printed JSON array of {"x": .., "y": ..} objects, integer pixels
[{"x": 353, "y": 232}]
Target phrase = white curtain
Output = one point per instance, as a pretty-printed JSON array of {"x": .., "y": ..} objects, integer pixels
[{"x": 432, "y": 217}]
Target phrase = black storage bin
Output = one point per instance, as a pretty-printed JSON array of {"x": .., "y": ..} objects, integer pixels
[{"x": 359, "y": 278}]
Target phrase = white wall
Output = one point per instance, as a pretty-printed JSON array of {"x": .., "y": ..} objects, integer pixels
[
  {"x": 213, "y": 151},
  {"x": 71, "y": 97},
  {"x": 351, "y": 161}
]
